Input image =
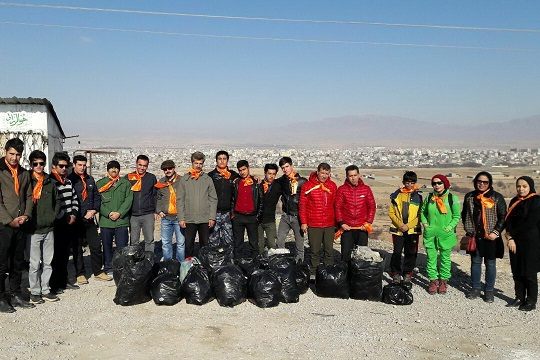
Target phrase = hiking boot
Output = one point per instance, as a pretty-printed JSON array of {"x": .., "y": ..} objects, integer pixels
[
  {"x": 433, "y": 287},
  {"x": 18, "y": 301},
  {"x": 72, "y": 287},
  {"x": 50, "y": 297},
  {"x": 396, "y": 279},
  {"x": 473, "y": 294},
  {"x": 81, "y": 280},
  {"x": 515, "y": 303},
  {"x": 5, "y": 307},
  {"x": 103, "y": 277},
  {"x": 527, "y": 306},
  {"x": 443, "y": 287},
  {"x": 36, "y": 299},
  {"x": 489, "y": 297},
  {"x": 407, "y": 281}
]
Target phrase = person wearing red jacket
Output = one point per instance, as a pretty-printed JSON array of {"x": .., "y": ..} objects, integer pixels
[
  {"x": 355, "y": 211},
  {"x": 316, "y": 211}
]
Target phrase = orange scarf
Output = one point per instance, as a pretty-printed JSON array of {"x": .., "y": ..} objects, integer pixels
[
  {"x": 14, "y": 175},
  {"x": 440, "y": 203},
  {"x": 134, "y": 176},
  {"x": 57, "y": 176},
  {"x": 109, "y": 184},
  {"x": 36, "y": 193},
  {"x": 320, "y": 186},
  {"x": 172, "y": 194},
  {"x": 407, "y": 191},
  {"x": 225, "y": 173},
  {"x": 194, "y": 174},
  {"x": 248, "y": 181},
  {"x": 84, "y": 194},
  {"x": 487, "y": 203},
  {"x": 294, "y": 182},
  {"x": 266, "y": 186},
  {"x": 517, "y": 202},
  {"x": 367, "y": 226}
]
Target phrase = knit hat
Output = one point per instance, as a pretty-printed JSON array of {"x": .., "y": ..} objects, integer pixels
[
  {"x": 167, "y": 164},
  {"x": 529, "y": 181},
  {"x": 113, "y": 164},
  {"x": 443, "y": 178}
]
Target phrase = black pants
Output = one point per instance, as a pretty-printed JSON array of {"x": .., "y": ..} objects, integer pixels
[
  {"x": 526, "y": 288},
  {"x": 350, "y": 239},
  {"x": 240, "y": 224},
  {"x": 408, "y": 244},
  {"x": 12, "y": 244},
  {"x": 191, "y": 230},
  {"x": 86, "y": 231},
  {"x": 65, "y": 243}
]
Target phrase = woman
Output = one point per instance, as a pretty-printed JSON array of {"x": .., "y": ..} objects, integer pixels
[
  {"x": 483, "y": 218},
  {"x": 523, "y": 234},
  {"x": 439, "y": 217}
]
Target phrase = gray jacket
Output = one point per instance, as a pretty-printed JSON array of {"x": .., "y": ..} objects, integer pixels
[
  {"x": 197, "y": 202},
  {"x": 162, "y": 196},
  {"x": 11, "y": 204}
]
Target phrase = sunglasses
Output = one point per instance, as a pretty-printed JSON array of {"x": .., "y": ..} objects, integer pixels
[
  {"x": 38, "y": 163},
  {"x": 481, "y": 182},
  {"x": 62, "y": 166},
  {"x": 167, "y": 168},
  {"x": 437, "y": 183}
]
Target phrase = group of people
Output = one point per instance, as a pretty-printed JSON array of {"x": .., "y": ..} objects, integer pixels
[{"x": 57, "y": 212}]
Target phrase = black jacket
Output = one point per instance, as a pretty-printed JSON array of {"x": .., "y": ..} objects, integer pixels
[
  {"x": 290, "y": 201},
  {"x": 45, "y": 210},
  {"x": 144, "y": 201},
  {"x": 270, "y": 200},
  {"x": 224, "y": 189},
  {"x": 257, "y": 197},
  {"x": 93, "y": 201}
]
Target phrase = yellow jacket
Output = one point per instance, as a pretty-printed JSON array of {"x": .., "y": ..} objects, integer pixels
[{"x": 405, "y": 209}]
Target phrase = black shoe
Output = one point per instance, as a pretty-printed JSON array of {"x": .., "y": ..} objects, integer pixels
[
  {"x": 36, "y": 299},
  {"x": 473, "y": 294},
  {"x": 18, "y": 301},
  {"x": 515, "y": 303},
  {"x": 489, "y": 297},
  {"x": 5, "y": 307},
  {"x": 50, "y": 297},
  {"x": 72, "y": 286},
  {"x": 57, "y": 291},
  {"x": 527, "y": 306}
]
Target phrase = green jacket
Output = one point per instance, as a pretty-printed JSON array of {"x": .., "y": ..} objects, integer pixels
[
  {"x": 197, "y": 202},
  {"x": 163, "y": 194},
  {"x": 11, "y": 204},
  {"x": 45, "y": 209},
  {"x": 117, "y": 199},
  {"x": 436, "y": 223}
]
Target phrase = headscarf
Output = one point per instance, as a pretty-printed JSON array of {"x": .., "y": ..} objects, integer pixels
[{"x": 444, "y": 180}]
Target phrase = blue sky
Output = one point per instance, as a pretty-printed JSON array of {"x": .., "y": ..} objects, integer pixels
[{"x": 114, "y": 80}]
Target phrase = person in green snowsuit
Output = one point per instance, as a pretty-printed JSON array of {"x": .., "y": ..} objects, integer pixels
[{"x": 439, "y": 217}]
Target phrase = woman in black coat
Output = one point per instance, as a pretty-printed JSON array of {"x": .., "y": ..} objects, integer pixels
[{"x": 523, "y": 234}]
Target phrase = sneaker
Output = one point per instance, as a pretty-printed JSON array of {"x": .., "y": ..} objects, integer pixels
[
  {"x": 72, "y": 286},
  {"x": 50, "y": 297},
  {"x": 396, "y": 279},
  {"x": 407, "y": 281},
  {"x": 36, "y": 299},
  {"x": 489, "y": 297},
  {"x": 433, "y": 287},
  {"x": 473, "y": 294},
  {"x": 81, "y": 280},
  {"x": 103, "y": 277},
  {"x": 443, "y": 287}
]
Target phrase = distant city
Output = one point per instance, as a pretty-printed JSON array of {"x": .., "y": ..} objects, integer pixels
[{"x": 304, "y": 157}]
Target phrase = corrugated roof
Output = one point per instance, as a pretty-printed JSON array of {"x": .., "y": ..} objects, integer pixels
[{"x": 35, "y": 101}]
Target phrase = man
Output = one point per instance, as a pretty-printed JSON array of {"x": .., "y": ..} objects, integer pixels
[
  {"x": 85, "y": 226},
  {"x": 290, "y": 183},
  {"x": 167, "y": 195},
  {"x": 144, "y": 203},
  {"x": 246, "y": 203},
  {"x": 41, "y": 229},
  {"x": 316, "y": 211},
  {"x": 65, "y": 239},
  {"x": 15, "y": 210},
  {"x": 197, "y": 204},
  {"x": 271, "y": 191},
  {"x": 114, "y": 212},
  {"x": 223, "y": 182},
  {"x": 355, "y": 211}
]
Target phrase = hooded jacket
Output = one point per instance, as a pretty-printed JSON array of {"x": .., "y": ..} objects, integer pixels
[
  {"x": 118, "y": 198},
  {"x": 405, "y": 209},
  {"x": 316, "y": 206},
  {"x": 355, "y": 205}
]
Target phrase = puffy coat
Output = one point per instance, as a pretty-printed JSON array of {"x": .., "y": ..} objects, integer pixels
[
  {"x": 355, "y": 205},
  {"x": 316, "y": 206}
]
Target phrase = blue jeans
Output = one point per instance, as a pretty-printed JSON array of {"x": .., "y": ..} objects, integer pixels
[
  {"x": 120, "y": 236},
  {"x": 476, "y": 272},
  {"x": 170, "y": 226}
]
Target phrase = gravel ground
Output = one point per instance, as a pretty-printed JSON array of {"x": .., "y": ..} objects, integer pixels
[{"x": 86, "y": 324}]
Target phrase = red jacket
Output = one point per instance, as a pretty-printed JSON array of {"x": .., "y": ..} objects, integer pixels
[
  {"x": 355, "y": 205},
  {"x": 316, "y": 208}
]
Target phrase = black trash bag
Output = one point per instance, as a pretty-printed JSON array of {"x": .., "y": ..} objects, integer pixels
[
  {"x": 230, "y": 285},
  {"x": 397, "y": 294},
  {"x": 135, "y": 280},
  {"x": 212, "y": 257},
  {"x": 285, "y": 266},
  {"x": 366, "y": 279},
  {"x": 166, "y": 289},
  {"x": 265, "y": 288},
  {"x": 169, "y": 267},
  {"x": 302, "y": 277},
  {"x": 248, "y": 265},
  {"x": 196, "y": 287},
  {"x": 332, "y": 281},
  {"x": 122, "y": 256}
]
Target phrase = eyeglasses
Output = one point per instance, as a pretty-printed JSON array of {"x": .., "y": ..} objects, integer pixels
[
  {"x": 168, "y": 168},
  {"x": 38, "y": 163},
  {"x": 62, "y": 166},
  {"x": 436, "y": 183},
  {"x": 482, "y": 182}
]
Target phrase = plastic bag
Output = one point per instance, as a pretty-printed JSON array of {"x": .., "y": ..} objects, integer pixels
[
  {"x": 285, "y": 266},
  {"x": 248, "y": 265},
  {"x": 265, "y": 288},
  {"x": 230, "y": 285},
  {"x": 123, "y": 256},
  {"x": 212, "y": 257},
  {"x": 168, "y": 267},
  {"x": 196, "y": 287},
  {"x": 331, "y": 281},
  {"x": 397, "y": 294},
  {"x": 302, "y": 277},
  {"x": 135, "y": 280},
  {"x": 366, "y": 279},
  {"x": 166, "y": 289},
  {"x": 186, "y": 265}
]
